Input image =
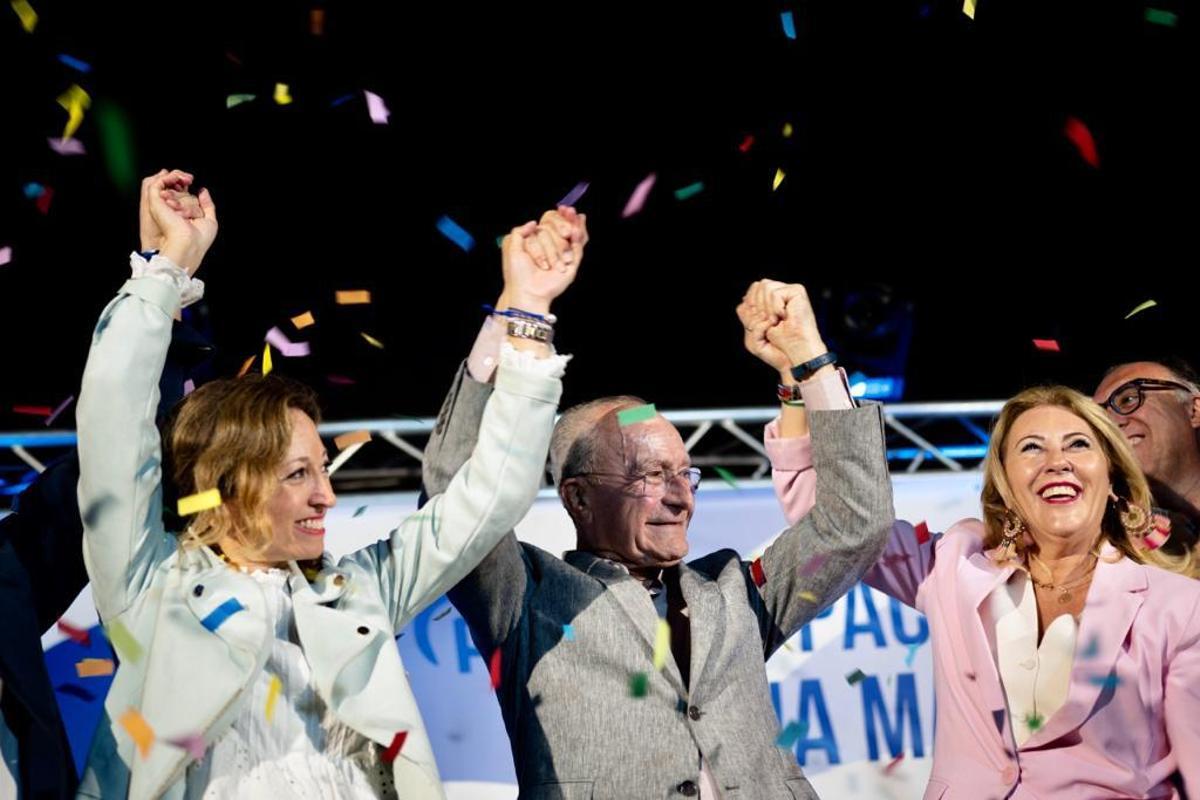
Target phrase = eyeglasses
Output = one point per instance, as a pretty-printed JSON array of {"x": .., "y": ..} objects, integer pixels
[
  {"x": 652, "y": 483},
  {"x": 1129, "y": 397}
]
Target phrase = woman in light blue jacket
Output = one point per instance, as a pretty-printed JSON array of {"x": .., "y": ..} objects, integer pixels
[{"x": 252, "y": 664}]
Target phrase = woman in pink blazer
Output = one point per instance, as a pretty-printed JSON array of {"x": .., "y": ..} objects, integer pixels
[{"x": 1066, "y": 647}]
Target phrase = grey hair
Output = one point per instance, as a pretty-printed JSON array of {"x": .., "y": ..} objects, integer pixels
[{"x": 574, "y": 442}]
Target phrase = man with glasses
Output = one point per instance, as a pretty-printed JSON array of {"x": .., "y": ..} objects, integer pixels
[
  {"x": 624, "y": 671},
  {"x": 1157, "y": 406}
]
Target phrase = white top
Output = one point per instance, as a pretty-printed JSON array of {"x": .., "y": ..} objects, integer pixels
[
  {"x": 8, "y": 757},
  {"x": 302, "y": 751},
  {"x": 1036, "y": 678}
]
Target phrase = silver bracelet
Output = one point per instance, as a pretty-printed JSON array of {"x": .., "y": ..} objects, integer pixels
[{"x": 531, "y": 329}]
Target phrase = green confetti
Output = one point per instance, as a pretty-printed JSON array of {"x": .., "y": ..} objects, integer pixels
[
  {"x": 116, "y": 135},
  {"x": 689, "y": 191},
  {"x": 358, "y": 512},
  {"x": 1159, "y": 17},
  {"x": 1034, "y": 720},
  {"x": 637, "y": 684},
  {"x": 727, "y": 476},
  {"x": 791, "y": 734},
  {"x": 631, "y": 416},
  {"x": 855, "y": 677},
  {"x": 237, "y": 99},
  {"x": 123, "y": 642},
  {"x": 1143, "y": 306}
]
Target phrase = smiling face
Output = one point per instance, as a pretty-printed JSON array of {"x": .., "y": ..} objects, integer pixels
[
  {"x": 1058, "y": 474},
  {"x": 297, "y": 508},
  {"x": 1162, "y": 431}
]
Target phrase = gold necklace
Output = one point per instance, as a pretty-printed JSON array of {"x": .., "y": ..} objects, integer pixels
[{"x": 1064, "y": 589}]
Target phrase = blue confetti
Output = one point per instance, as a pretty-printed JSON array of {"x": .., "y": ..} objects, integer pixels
[
  {"x": 74, "y": 63},
  {"x": 77, "y": 691},
  {"x": 344, "y": 98},
  {"x": 912, "y": 652},
  {"x": 34, "y": 190},
  {"x": 789, "y": 24},
  {"x": 789, "y": 735},
  {"x": 572, "y": 197},
  {"x": 218, "y": 615},
  {"x": 1109, "y": 681},
  {"x": 455, "y": 233},
  {"x": 568, "y": 633}
]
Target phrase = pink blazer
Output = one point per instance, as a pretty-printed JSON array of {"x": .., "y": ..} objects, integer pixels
[{"x": 1132, "y": 717}]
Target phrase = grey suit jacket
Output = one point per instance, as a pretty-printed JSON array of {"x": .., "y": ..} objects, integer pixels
[{"x": 576, "y": 730}]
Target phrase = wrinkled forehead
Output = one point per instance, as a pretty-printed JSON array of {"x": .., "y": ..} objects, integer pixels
[{"x": 643, "y": 445}]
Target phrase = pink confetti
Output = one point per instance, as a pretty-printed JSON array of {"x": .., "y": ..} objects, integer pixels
[
  {"x": 61, "y": 408},
  {"x": 895, "y": 762},
  {"x": 1047, "y": 345},
  {"x": 5, "y": 255},
  {"x": 638, "y": 198},
  {"x": 189, "y": 386},
  {"x": 67, "y": 147},
  {"x": 1081, "y": 137},
  {"x": 194, "y": 744},
  {"x": 284, "y": 345},
  {"x": 376, "y": 108},
  {"x": 340, "y": 380}
]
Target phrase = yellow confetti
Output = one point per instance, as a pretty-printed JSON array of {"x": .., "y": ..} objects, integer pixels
[
  {"x": 94, "y": 667},
  {"x": 281, "y": 94},
  {"x": 779, "y": 175},
  {"x": 969, "y": 8},
  {"x": 302, "y": 321},
  {"x": 1141, "y": 308},
  {"x": 28, "y": 16},
  {"x": 75, "y": 100},
  {"x": 354, "y": 437},
  {"x": 371, "y": 340},
  {"x": 662, "y": 644},
  {"x": 122, "y": 641},
  {"x": 267, "y": 359},
  {"x": 809, "y": 596},
  {"x": 272, "y": 695},
  {"x": 787, "y": 130},
  {"x": 139, "y": 730},
  {"x": 353, "y": 297},
  {"x": 202, "y": 501}
]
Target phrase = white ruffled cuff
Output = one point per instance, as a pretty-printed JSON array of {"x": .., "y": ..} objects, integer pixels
[
  {"x": 552, "y": 366},
  {"x": 164, "y": 269}
]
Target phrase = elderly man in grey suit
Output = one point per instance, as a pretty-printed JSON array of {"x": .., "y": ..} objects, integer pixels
[{"x": 587, "y": 713}]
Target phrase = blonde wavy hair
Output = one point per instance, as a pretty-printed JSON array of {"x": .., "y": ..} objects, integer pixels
[
  {"x": 1126, "y": 477},
  {"x": 232, "y": 435}
]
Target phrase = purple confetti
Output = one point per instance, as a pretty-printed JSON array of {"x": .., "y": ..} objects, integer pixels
[
  {"x": 67, "y": 147},
  {"x": 61, "y": 408},
  {"x": 572, "y": 197},
  {"x": 377, "y": 108},
  {"x": 284, "y": 345},
  {"x": 638, "y": 198}
]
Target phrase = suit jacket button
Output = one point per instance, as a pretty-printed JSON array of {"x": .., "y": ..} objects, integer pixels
[
  {"x": 694, "y": 713},
  {"x": 688, "y": 789},
  {"x": 199, "y": 590},
  {"x": 363, "y": 630}
]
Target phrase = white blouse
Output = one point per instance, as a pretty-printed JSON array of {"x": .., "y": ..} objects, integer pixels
[
  {"x": 1036, "y": 678},
  {"x": 302, "y": 751}
]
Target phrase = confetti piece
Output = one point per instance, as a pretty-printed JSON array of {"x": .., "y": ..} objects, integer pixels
[
  {"x": 638, "y": 198},
  {"x": 1159, "y": 17},
  {"x": 912, "y": 653},
  {"x": 572, "y": 197},
  {"x": 340, "y": 380},
  {"x": 5, "y": 255},
  {"x": 855, "y": 676},
  {"x": 189, "y": 386},
  {"x": 746, "y": 144},
  {"x": 814, "y": 564},
  {"x": 352, "y": 297},
  {"x": 662, "y": 644},
  {"x": 1141, "y": 307},
  {"x": 969, "y": 8},
  {"x": 29, "y": 17},
  {"x": 1155, "y": 539},
  {"x": 1034, "y": 720},
  {"x": 237, "y": 99},
  {"x": 1109, "y": 681},
  {"x": 75, "y": 634},
  {"x": 1081, "y": 137},
  {"x": 282, "y": 97},
  {"x": 302, "y": 321},
  {"x": 638, "y": 683},
  {"x": 194, "y": 745},
  {"x": 789, "y": 24},
  {"x": 455, "y": 233},
  {"x": 43, "y": 200},
  {"x": 809, "y": 596},
  {"x": 568, "y": 633},
  {"x": 779, "y": 176},
  {"x": 358, "y": 512},
  {"x": 273, "y": 690},
  {"x": 246, "y": 366},
  {"x": 289, "y": 348},
  {"x": 33, "y": 190},
  {"x": 787, "y": 130},
  {"x": 893, "y": 764},
  {"x": 116, "y": 137},
  {"x": 1093, "y": 648},
  {"x": 75, "y": 63},
  {"x": 443, "y": 614},
  {"x": 201, "y": 501},
  {"x": 791, "y": 734},
  {"x": 346, "y": 98},
  {"x": 33, "y": 411},
  {"x": 77, "y": 691},
  {"x": 376, "y": 108},
  {"x": 66, "y": 147},
  {"x": 75, "y": 101},
  {"x": 216, "y": 618},
  {"x": 354, "y": 437},
  {"x": 316, "y": 21},
  {"x": 1047, "y": 345},
  {"x": 922, "y": 531},
  {"x": 691, "y": 190},
  {"x": 727, "y": 476},
  {"x": 94, "y": 667},
  {"x": 757, "y": 574},
  {"x": 267, "y": 366},
  {"x": 139, "y": 730},
  {"x": 632, "y": 416},
  {"x": 394, "y": 748},
  {"x": 494, "y": 669},
  {"x": 61, "y": 408}
]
